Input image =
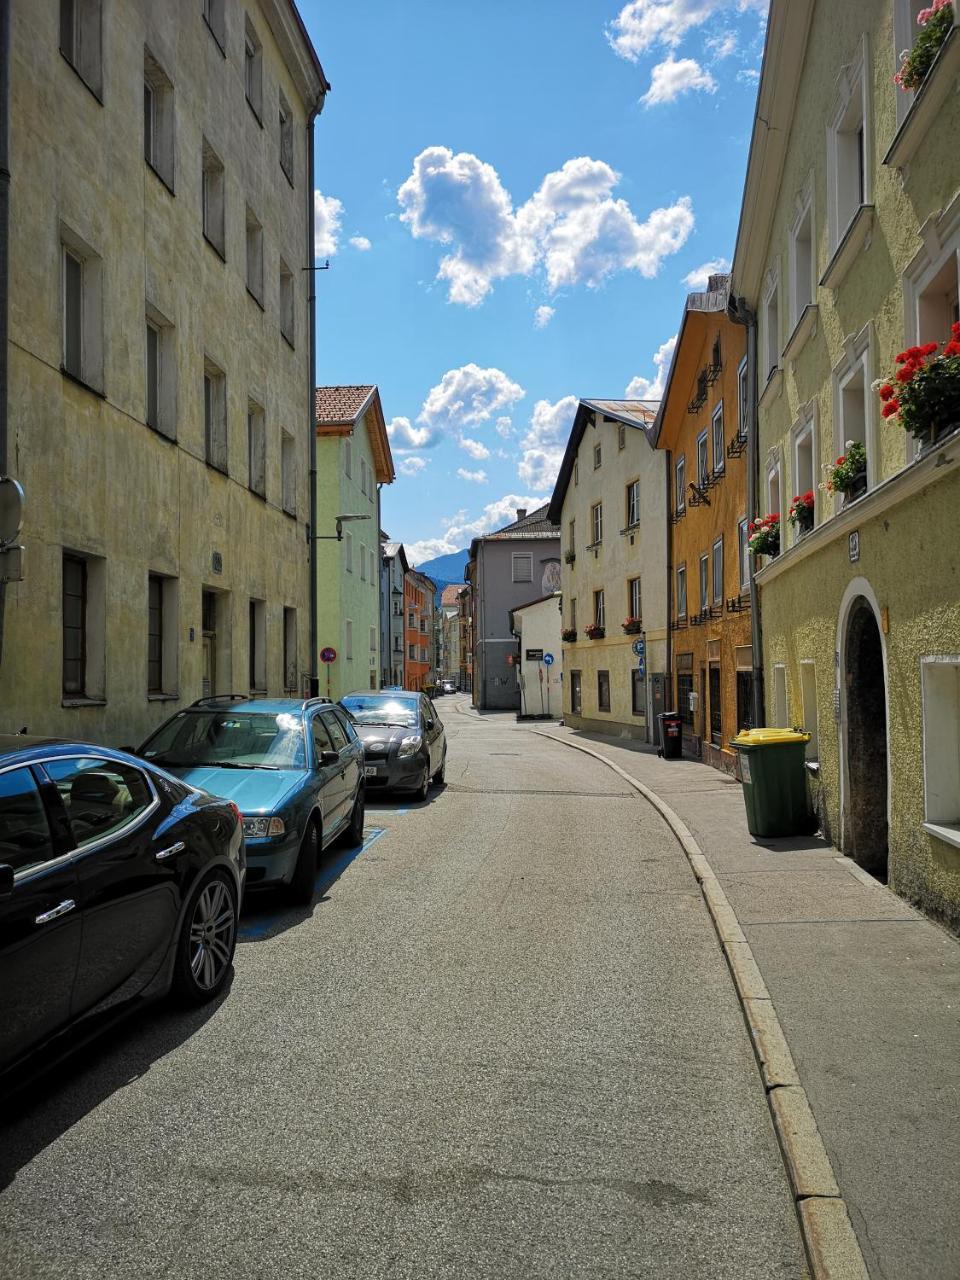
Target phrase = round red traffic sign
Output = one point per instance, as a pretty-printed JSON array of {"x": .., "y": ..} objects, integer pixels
[{"x": 329, "y": 654}]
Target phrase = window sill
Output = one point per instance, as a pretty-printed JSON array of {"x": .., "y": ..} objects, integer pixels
[
  {"x": 169, "y": 436},
  {"x": 95, "y": 94},
  {"x": 856, "y": 237},
  {"x": 257, "y": 115},
  {"x": 79, "y": 382},
  {"x": 292, "y": 515},
  {"x": 168, "y": 186},
  {"x": 215, "y": 467},
  {"x": 947, "y": 831},
  {"x": 256, "y": 493},
  {"x": 805, "y": 327},
  {"x": 921, "y": 117},
  {"x": 288, "y": 176},
  {"x": 163, "y": 697},
  {"x": 631, "y": 528},
  {"x": 217, "y": 41},
  {"x": 772, "y": 390},
  {"x": 83, "y": 702},
  {"x": 221, "y": 253},
  {"x": 258, "y": 301},
  {"x": 288, "y": 340}
]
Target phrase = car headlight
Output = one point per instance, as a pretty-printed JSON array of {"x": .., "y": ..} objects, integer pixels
[
  {"x": 258, "y": 828},
  {"x": 410, "y": 746}
]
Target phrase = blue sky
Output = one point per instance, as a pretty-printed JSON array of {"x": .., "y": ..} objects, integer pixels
[{"x": 511, "y": 196}]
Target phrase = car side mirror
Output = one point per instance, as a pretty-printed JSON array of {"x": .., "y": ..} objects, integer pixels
[
  {"x": 431, "y": 724},
  {"x": 329, "y": 757},
  {"x": 6, "y": 880}
]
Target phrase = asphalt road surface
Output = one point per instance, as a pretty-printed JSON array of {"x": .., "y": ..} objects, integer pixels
[{"x": 503, "y": 1043}]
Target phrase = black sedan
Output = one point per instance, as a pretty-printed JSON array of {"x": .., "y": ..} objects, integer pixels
[
  {"x": 404, "y": 741},
  {"x": 117, "y": 883}
]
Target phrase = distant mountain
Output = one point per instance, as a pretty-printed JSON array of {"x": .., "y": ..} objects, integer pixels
[{"x": 447, "y": 568}]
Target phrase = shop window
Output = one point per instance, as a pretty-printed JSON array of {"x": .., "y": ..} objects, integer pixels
[
  {"x": 603, "y": 690},
  {"x": 576, "y": 700},
  {"x": 638, "y": 693}
]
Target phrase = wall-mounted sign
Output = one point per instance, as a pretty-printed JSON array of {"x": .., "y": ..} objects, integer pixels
[
  {"x": 854, "y": 546},
  {"x": 534, "y": 655},
  {"x": 328, "y": 655}
]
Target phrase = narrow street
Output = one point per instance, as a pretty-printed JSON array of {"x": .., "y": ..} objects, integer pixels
[{"x": 503, "y": 1043}]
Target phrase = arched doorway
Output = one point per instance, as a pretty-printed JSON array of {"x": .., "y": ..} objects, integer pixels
[{"x": 865, "y": 808}]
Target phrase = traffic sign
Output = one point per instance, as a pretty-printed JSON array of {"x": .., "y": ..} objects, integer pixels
[
  {"x": 642, "y": 666},
  {"x": 640, "y": 647},
  {"x": 328, "y": 655},
  {"x": 548, "y": 659}
]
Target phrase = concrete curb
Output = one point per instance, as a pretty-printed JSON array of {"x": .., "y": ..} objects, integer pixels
[{"x": 828, "y": 1235}]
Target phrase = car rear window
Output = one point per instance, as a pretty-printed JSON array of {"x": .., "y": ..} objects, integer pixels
[
  {"x": 228, "y": 738},
  {"x": 383, "y": 708}
]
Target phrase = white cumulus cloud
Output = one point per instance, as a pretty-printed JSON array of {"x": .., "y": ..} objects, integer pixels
[
  {"x": 672, "y": 77},
  {"x": 722, "y": 45},
  {"x": 327, "y": 216},
  {"x": 542, "y": 317},
  {"x": 412, "y": 465},
  {"x": 641, "y": 24},
  {"x": 361, "y": 243},
  {"x": 699, "y": 276},
  {"x": 571, "y": 228},
  {"x": 458, "y": 531},
  {"x": 469, "y": 395},
  {"x": 403, "y": 435},
  {"x": 475, "y": 448},
  {"x": 641, "y": 388},
  {"x": 476, "y": 477},
  {"x": 504, "y": 428},
  {"x": 543, "y": 445}
]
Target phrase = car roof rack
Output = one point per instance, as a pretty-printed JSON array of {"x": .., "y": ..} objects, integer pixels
[
  {"x": 316, "y": 702},
  {"x": 217, "y": 698}
]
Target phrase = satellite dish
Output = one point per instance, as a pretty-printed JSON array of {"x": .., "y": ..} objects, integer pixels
[{"x": 11, "y": 510}]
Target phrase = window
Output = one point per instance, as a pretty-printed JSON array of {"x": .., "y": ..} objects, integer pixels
[
  {"x": 685, "y": 694},
  {"x": 598, "y": 609},
  {"x": 937, "y": 307},
  {"x": 718, "y": 571},
  {"x": 522, "y": 567},
  {"x": 287, "y": 311},
  {"x": 335, "y": 729},
  {"x": 743, "y": 539},
  {"x": 603, "y": 690},
  {"x": 161, "y": 373},
  {"x": 742, "y": 399},
  {"x": 596, "y": 519},
  {"x": 161, "y": 634},
  {"x": 254, "y": 256},
  {"x": 770, "y": 325},
  {"x": 215, "y": 415},
  {"x": 716, "y": 427},
  {"x": 596, "y": 456},
  {"x": 412, "y": 652},
  {"x": 854, "y": 407},
  {"x": 576, "y": 471},
  {"x": 410, "y": 619},
  {"x": 780, "y": 697},
  {"x": 576, "y": 701},
  {"x": 100, "y": 796},
  {"x": 571, "y": 540},
  {"x": 373, "y": 639},
  {"x": 634, "y": 598},
  {"x": 348, "y": 458},
  {"x": 802, "y": 263},
  {"x": 348, "y": 640},
  {"x": 682, "y": 591},
  {"x": 704, "y": 583},
  {"x": 25, "y": 840},
  {"x": 288, "y": 472},
  {"x": 848, "y": 158},
  {"x": 363, "y": 562},
  {"x": 348, "y": 551},
  {"x": 286, "y": 138},
  {"x": 940, "y": 691},
  {"x": 256, "y": 449},
  {"x": 681, "y": 471},
  {"x": 258, "y": 646},
  {"x": 215, "y": 18},
  {"x": 83, "y": 620},
  {"x": 703, "y": 460},
  {"x": 633, "y": 504},
  {"x": 808, "y": 695},
  {"x": 253, "y": 69},
  {"x": 80, "y": 40},
  {"x": 773, "y": 489},
  {"x": 638, "y": 693},
  {"x": 804, "y": 461},
  {"x": 289, "y": 649},
  {"x": 213, "y": 200},
  {"x": 621, "y": 437},
  {"x": 158, "y": 119},
  {"x": 573, "y": 612},
  {"x": 82, "y": 310}
]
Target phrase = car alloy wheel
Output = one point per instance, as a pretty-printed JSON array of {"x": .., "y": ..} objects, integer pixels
[
  {"x": 424, "y": 789},
  {"x": 208, "y": 940}
]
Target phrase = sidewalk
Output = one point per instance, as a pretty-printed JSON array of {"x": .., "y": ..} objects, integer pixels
[{"x": 868, "y": 993}]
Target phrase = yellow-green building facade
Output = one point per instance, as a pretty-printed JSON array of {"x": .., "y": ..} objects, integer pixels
[{"x": 848, "y": 251}]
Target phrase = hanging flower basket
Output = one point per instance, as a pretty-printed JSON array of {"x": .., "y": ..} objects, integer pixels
[
  {"x": 924, "y": 393},
  {"x": 765, "y": 535},
  {"x": 631, "y": 626},
  {"x": 802, "y": 512},
  {"x": 569, "y": 634},
  {"x": 934, "y": 24},
  {"x": 595, "y": 631},
  {"x": 570, "y": 556},
  {"x": 848, "y": 475}
]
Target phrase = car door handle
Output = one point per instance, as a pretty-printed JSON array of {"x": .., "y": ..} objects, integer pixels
[
  {"x": 67, "y": 905},
  {"x": 168, "y": 853}
]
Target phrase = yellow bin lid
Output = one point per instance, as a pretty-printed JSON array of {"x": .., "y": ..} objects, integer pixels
[{"x": 769, "y": 737}]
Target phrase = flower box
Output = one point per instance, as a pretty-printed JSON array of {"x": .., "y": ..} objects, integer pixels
[
  {"x": 935, "y": 24},
  {"x": 924, "y": 393},
  {"x": 568, "y": 634},
  {"x": 801, "y": 514},
  {"x": 595, "y": 632},
  {"x": 764, "y": 534},
  {"x": 570, "y": 556},
  {"x": 632, "y": 626},
  {"x": 848, "y": 475}
]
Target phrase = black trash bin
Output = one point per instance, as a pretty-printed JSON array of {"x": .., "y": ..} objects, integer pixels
[{"x": 671, "y": 735}]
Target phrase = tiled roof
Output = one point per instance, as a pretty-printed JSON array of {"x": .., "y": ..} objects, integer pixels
[
  {"x": 536, "y": 521},
  {"x": 640, "y": 411},
  {"x": 340, "y": 404}
]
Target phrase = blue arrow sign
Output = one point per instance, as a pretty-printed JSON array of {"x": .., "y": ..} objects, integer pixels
[{"x": 548, "y": 659}]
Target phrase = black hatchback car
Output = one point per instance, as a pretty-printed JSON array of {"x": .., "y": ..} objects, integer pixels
[
  {"x": 117, "y": 883},
  {"x": 404, "y": 741}
]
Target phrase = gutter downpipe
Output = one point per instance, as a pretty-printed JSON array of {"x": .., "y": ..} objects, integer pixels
[
  {"x": 740, "y": 313},
  {"x": 4, "y": 253},
  {"x": 314, "y": 677}
]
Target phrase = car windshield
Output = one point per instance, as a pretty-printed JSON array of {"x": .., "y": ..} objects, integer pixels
[
  {"x": 382, "y": 709},
  {"x": 229, "y": 740}
]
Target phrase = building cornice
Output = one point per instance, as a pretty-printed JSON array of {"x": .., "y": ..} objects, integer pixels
[{"x": 296, "y": 48}]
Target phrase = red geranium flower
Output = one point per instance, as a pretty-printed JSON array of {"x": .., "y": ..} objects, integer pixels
[
  {"x": 886, "y": 391},
  {"x": 839, "y": 461},
  {"x": 906, "y": 372},
  {"x": 890, "y": 408}
]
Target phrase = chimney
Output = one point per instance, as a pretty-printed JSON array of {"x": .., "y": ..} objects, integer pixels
[{"x": 521, "y": 513}]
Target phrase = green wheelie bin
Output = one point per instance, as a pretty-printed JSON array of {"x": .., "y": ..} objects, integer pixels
[{"x": 774, "y": 779}]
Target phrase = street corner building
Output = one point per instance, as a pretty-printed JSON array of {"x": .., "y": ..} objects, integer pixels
[
  {"x": 159, "y": 389},
  {"x": 537, "y": 626},
  {"x": 701, "y": 425},
  {"x": 848, "y": 252},
  {"x": 419, "y": 604},
  {"x": 610, "y": 502},
  {"x": 507, "y": 568},
  {"x": 353, "y": 461}
]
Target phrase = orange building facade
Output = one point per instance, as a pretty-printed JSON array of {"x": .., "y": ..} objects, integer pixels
[
  {"x": 417, "y": 636},
  {"x": 701, "y": 424}
]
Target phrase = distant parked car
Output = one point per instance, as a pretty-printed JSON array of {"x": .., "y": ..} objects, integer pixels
[
  {"x": 293, "y": 767},
  {"x": 404, "y": 741},
  {"x": 448, "y": 686},
  {"x": 117, "y": 883}
]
